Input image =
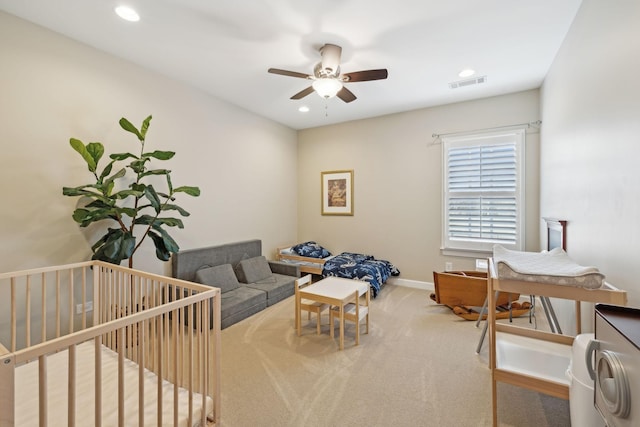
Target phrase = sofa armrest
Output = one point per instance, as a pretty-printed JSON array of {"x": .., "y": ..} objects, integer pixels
[{"x": 284, "y": 268}]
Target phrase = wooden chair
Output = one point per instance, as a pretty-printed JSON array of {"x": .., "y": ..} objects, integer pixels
[
  {"x": 354, "y": 312},
  {"x": 309, "y": 306}
]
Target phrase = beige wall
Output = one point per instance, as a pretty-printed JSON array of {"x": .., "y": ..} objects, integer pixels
[
  {"x": 53, "y": 88},
  {"x": 398, "y": 180},
  {"x": 590, "y": 141}
]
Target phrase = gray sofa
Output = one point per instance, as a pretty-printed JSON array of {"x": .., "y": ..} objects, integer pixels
[{"x": 249, "y": 283}]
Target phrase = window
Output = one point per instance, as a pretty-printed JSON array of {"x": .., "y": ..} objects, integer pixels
[{"x": 483, "y": 192}]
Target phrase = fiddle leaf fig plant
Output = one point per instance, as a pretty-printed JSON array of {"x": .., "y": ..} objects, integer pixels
[{"x": 127, "y": 207}]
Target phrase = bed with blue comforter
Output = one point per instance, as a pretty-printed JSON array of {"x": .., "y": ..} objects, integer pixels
[{"x": 348, "y": 265}]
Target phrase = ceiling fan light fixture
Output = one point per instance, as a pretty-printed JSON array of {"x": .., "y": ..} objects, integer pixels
[{"x": 327, "y": 87}]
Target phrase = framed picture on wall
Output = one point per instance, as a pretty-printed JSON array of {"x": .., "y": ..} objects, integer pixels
[{"x": 337, "y": 192}]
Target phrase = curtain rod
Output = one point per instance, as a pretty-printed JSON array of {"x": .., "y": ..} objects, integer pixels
[{"x": 537, "y": 123}]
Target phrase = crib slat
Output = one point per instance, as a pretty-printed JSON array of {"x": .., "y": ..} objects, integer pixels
[
  {"x": 28, "y": 312},
  {"x": 98, "y": 382},
  {"x": 141, "y": 356},
  {"x": 120, "y": 345},
  {"x": 70, "y": 301},
  {"x": 13, "y": 314},
  {"x": 130, "y": 304},
  {"x": 167, "y": 340},
  {"x": 7, "y": 394},
  {"x": 57, "y": 303},
  {"x": 217, "y": 369},
  {"x": 71, "y": 407},
  {"x": 43, "y": 312},
  {"x": 84, "y": 299},
  {"x": 204, "y": 373},
  {"x": 174, "y": 345},
  {"x": 42, "y": 391},
  {"x": 97, "y": 297},
  {"x": 160, "y": 370},
  {"x": 190, "y": 363}
]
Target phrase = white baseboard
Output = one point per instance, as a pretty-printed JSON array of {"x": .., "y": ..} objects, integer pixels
[{"x": 428, "y": 286}]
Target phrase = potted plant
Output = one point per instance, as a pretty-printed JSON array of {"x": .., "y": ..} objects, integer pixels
[{"x": 139, "y": 204}]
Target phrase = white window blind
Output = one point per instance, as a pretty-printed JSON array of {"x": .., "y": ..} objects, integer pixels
[{"x": 483, "y": 200}]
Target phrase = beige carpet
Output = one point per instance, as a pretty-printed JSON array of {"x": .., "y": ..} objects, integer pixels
[{"x": 416, "y": 367}]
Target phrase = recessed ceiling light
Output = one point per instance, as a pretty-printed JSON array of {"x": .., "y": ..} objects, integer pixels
[
  {"x": 468, "y": 72},
  {"x": 127, "y": 13},
  {"x": 303, "y": 109}
]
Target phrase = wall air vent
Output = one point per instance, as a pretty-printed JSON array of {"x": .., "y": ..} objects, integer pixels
[{"x": 468, "y": 82}]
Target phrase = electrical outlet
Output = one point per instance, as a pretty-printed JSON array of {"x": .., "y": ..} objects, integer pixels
[
  {"x": 448, "y": 266},
  {"x": 88, "y": 306}
]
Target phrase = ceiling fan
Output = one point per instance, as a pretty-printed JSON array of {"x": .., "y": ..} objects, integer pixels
[{"x": 327, "y": 80}]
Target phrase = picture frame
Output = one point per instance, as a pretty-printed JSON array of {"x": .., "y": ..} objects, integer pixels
[{"x": 337, "y": 192}]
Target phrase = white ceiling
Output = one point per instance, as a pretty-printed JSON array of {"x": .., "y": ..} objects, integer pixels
[{"x": 225, "y": 47}]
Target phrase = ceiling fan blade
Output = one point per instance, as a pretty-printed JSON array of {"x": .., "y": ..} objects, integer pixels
[
  {"x": 363, "y": 76},
  {"x": 288, "y": 73},
  {"x": 346, "y": 95},
  {"x": 303, "y": 93}
]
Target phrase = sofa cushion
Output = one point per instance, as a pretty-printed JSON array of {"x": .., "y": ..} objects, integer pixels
[
  {"x": 255, "y": 270},
  {"x": 240, "y": 303},
  {"x": 220, "y": 276},
  {"x": 281, "y": 288}
]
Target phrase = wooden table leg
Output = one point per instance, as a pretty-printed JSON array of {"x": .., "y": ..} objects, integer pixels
[
  {"x": 298, "y": 320},
  {"x": 342, "y": 326}
]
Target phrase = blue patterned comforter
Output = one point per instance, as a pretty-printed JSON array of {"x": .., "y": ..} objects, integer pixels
[
  {"x": 311, "y": 249},
  {"x": 361, "y": 267}
]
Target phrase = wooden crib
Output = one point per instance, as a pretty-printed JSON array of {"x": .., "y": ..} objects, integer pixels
[{"x": 98, "y": 344}]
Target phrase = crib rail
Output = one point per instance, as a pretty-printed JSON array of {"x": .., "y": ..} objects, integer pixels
[{"x": 140, "y": 316}]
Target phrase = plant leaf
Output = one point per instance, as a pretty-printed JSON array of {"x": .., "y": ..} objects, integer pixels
[
  {"x": 123, "y": 194},
  {"x": 162, "y": 252},
  {"x": 106, "y": 171},
  {"x": 99, "y": 204},
  {"x": 84, "y": 217},
  {"x": 192, "y": 191},
  {"x": 157, "y": 222},
  {"x": 151, "y": 194},
  {"x": 155, "y": 172},
  {"x": 138, "y": 165},
  {"x": 145, "y": 127},
  {"x": 161, "y": 155},
  {"x": 74, "y": 192},
  {"x": 77, "y": 145},
  {"x": 96, "y": 150},
  {"x": 130, "y": 212},
  {"x": 169, "y": 184},
  {"x": 122, "y": 156},
  {"x": 109, "y": 181},
  {"x": 166, "y": 196},
  {"x": 170, "y": 207},
  {"x": 145, "y": 219},
  {"x": 108, "y": 188},
  {"x": 114, "y": 246},
  {"x": 126, "y": 125},
  {"x": 169, "y": 243},
  {"x": 79, "y": 191},
  {"x": 138, "y": 187}
]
